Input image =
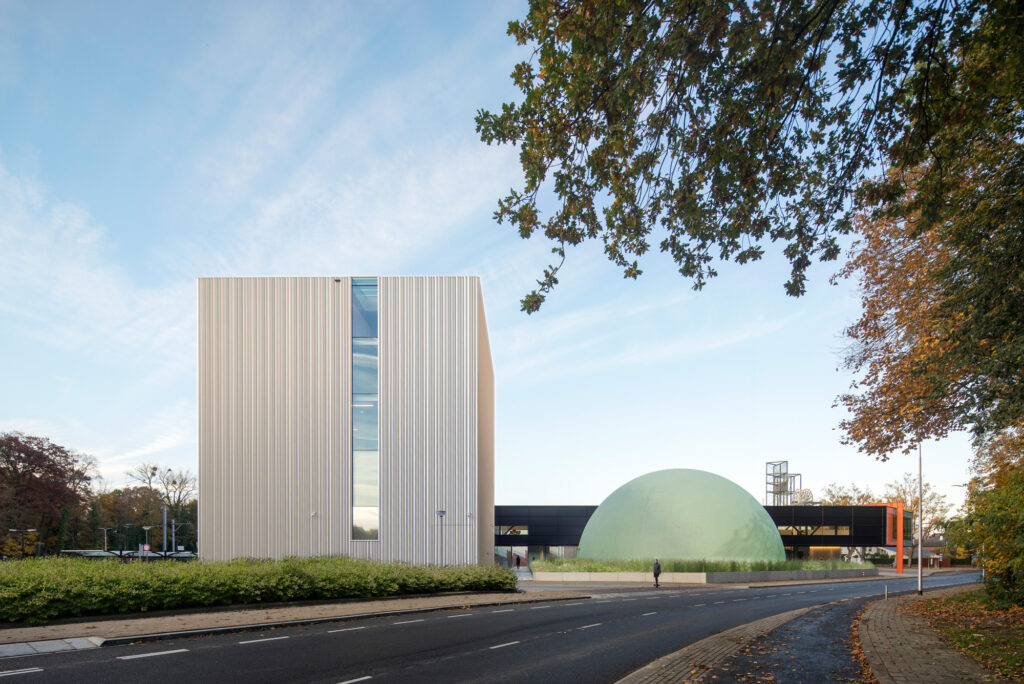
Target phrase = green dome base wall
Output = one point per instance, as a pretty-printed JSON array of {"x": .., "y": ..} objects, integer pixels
[{"x": 685, "y": 514}]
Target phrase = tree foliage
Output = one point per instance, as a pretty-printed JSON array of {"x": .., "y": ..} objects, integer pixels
[
  {"x": 722, "y": 126},
  {"x": 993, "y": 521},
  {"x": 41, "y": 484},
  {"x": 936, "y": 507},
  {"x": 176, "y": 488},
  {"x": 841, "y": 495}
]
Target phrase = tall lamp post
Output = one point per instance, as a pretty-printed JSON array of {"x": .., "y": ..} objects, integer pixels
[
  {"x": 920, "y": 522},
  {"x": 105, "y": 535},
  {"x": 440, "y": 532}
]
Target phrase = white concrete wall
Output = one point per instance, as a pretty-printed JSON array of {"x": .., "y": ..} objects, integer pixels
[{"x": 275, "y": 419}]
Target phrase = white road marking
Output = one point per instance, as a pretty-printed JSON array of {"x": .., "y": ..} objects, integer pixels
[
  {"x": 717, "y": 602},
  {"x": 150, "y": 655},
  {"x": 624, "y": 600},
  {"x": 700, "y": 605},
  {"x": 603, "y": 601},
  {"x": 357, "y": 679},
  {"x": 407, "y": 622},
  {"x": 507, "y": 610},
  {"x": 771, "y": 595},
  {"x": 458, "y": 616},
  {"x": 789, "y": 594},
  {"x": 735, "y": 600},
  {"x": 260, "y": 641},
  {"x": 651, "y": 613},
  {"x": 539, "y": 607},
  {"x": 27, "y": 670},
  {"x": 510, "y": 643},
  {"x": 654, "y": 598},
  {"x": 575, "y": 604},
  {"x": 347, "y": 629},
  {"x": 596, "y": 624}
]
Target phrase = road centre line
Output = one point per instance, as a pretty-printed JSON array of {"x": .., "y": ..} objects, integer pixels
[
  {"x": 458, "y": 616},
  {"x": 27, "y": 670},
  {"x": 258, "y": 641},
  {"x": 407, "y": 622},
  {"x": 624, "y": 600},
  {"x": 347, "y": 629},
  {"x": 158, "y": 653},
  {"x": 653, "y": 598},
  {"x": 608, "y": 601},
  {"x": 717, "y": 602},
  {"x": 357, "y": 679},
  {"x": 653, "y": 612},
  {"x": 510, "y": 643},
  {"x": 539, "y": 607},
  {"x": 700, "y": 605},
  {"x": 735, "y": 600},
  {"x": 596, "y": 624},
  {"x": 506, "y": 610},
  {"x": 575, "y": 604}
]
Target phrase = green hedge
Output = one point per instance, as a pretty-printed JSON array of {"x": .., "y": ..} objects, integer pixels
[
  {"x": 36, "y": 590},
  {"x": 677, "y": 565}
]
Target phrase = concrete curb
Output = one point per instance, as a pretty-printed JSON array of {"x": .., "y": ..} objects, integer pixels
[
  {"x": 694, "y": 662},
  {"x": 210, "y": 631}
]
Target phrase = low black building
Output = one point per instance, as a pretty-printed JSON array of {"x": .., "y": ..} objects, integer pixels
[{"x": 540, "y": 532}]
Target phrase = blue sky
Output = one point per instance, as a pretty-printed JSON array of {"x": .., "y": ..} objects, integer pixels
[{"x": 142, "y": 146}]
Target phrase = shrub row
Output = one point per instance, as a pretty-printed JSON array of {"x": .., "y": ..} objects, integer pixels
[
  {"x": 36, "y": 590},
  {"x": 680, "y": 565}
]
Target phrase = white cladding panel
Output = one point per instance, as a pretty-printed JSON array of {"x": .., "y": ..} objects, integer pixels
[{"x": 274, "y": 419}]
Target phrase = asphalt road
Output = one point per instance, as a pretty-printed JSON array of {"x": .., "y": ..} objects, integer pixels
[{"x": 587, "y": 640}]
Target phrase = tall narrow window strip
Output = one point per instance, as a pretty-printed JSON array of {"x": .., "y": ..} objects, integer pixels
[{"x": 365, "y": 412}]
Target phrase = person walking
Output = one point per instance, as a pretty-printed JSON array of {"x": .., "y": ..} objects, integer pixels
[{"x": 657, "y": 571}]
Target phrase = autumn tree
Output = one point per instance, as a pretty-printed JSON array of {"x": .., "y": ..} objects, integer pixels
[
  {"x": 42, "y": 485},
  {"x": 125, "y": 512},
  {"x": 936, "y": 507},
  {"x": 993, "y": 520},
  {"x": 841, "y": 495},
  {"x": 176, "y": 488},
  {"x": 720, "y": 127}
]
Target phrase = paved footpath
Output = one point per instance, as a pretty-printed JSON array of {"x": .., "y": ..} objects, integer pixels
[{"x": 902, "y": 648}]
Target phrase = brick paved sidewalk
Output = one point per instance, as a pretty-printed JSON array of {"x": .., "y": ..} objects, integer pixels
[
  {"x": 696, "y": 661},
  {"x": 902, "y": 648}
]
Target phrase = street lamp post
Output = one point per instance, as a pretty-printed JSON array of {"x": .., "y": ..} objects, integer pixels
[
  {"x": 105, "y": 536},
  {"x": 920, "y": 522},
  {"x": 440, "y": 533}
]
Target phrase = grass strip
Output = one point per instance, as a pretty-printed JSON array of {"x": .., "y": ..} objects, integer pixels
[
  {"x": 990, "y": 633},
  {"x": 681, "y": 565}
]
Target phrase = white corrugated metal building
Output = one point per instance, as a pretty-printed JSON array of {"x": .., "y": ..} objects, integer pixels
[{"x": 345, "y": 416}]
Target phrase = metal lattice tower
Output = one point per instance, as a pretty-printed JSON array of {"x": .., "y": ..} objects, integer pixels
[{"x": 780, "y": 484}]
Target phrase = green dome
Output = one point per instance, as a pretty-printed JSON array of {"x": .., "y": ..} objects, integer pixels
[{"x": 684, "y": 514}]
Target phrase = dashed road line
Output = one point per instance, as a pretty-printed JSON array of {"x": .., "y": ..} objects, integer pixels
[
  {"x": 357, "y": 679},
  {"x": 717, "y": 602},
  {"x": 603, "y": 601},
  {"x": 653, "y": 612},
  {"x": 458, "y": 616},
  {"x": 539, "y": 607},
  {"x": 506, "y": 610},
  {"x": 158, "y": 653},
  {"x": 510, "y": 643},
  {"x": 347, "y": 629},
  {"x": 596, "y": 624},
  {"x": 699, "y": 605},
  {"x": 259, "y": 641},
  {"x": 575, "y": 604},
  {"x": 735, "y": 600},
  {"x": 407, "y": 622},
  {"x": 27, "y": 670}
]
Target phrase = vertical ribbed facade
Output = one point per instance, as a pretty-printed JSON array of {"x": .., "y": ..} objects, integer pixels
[{"x": 275, "y": 451}]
